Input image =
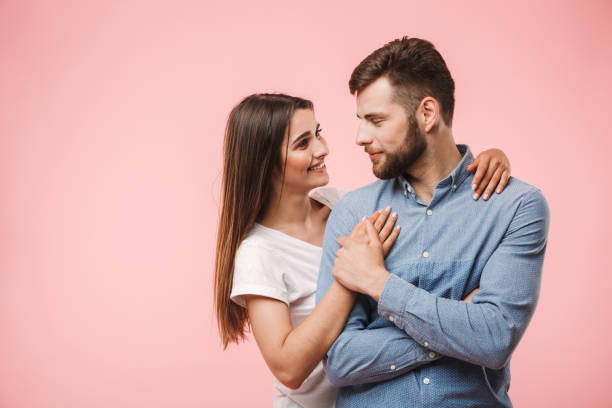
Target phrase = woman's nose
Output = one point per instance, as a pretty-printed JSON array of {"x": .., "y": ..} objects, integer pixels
[{"x": 321, "y": 148}]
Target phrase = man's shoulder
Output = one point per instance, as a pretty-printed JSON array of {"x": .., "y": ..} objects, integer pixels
[
  {"x": 518, "y": 191},
  {"x": 368, "y": 193},
  {"x": 524, "y": 201},
  {"x": 357, "y": 203}
]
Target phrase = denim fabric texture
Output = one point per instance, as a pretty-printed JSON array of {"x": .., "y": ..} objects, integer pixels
[{"x": 420, "y": 345}]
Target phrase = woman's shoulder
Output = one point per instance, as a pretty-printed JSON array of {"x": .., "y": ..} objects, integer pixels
[
  {"x": 328, "y": 195},
  {"x": 256, "y": 270},
  {"x": 255, "y": 244}
]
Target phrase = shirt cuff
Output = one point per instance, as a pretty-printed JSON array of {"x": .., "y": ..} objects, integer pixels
[{"x": 393, "y": 298}]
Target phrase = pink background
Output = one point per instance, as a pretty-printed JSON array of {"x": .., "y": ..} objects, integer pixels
[{"x": 111, "y": 122}]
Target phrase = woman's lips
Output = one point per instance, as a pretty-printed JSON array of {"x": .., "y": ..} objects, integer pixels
[{"x": 319, "y": 170}]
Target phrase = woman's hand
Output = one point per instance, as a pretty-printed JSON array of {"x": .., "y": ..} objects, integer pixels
[
  {"x": 492, "y": 170},
  {"x": 359, "y": 265},
  {"x": 383, "y": 222}
]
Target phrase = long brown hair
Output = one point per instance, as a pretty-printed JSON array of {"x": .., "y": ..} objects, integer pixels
[{"x": 254, "y": 134}]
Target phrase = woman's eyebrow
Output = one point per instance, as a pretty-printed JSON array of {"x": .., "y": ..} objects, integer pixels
[
  {"x": 303, "y": 135},
  {"x": 300, "y": 137}
]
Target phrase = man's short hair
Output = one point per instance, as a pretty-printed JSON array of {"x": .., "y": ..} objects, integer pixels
[{"x": 415, "y": 69}]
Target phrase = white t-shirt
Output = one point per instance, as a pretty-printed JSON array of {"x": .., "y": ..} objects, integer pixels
[{"x": 273, "y": 264}]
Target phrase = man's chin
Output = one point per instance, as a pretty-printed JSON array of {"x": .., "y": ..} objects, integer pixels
[{"x": 381, "y": 172}]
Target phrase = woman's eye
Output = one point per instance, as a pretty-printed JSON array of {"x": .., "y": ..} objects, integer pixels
[{"x": 303, "y": 143}]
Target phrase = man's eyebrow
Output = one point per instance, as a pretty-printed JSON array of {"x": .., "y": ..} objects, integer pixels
[{"x": 373, "y": 115}]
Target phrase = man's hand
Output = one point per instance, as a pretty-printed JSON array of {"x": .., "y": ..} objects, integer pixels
[
  {"x": 359, "y": 264},
  {"x": 469, "y": 297}
]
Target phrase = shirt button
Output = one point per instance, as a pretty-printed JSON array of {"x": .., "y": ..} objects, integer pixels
[
  {"x": 406, "y": 193},
  {"x": 426, "y": 380},
  {"x": 426, "y": 344},
  {"x": 425, "y": 254},
  {"x": 393, "y": 366},
  {"x": 432, "y": 354},
  {"x": 391, "y": 318},
  {"x": 454, "y": 186},
  {"x": 429, "y": 212}
]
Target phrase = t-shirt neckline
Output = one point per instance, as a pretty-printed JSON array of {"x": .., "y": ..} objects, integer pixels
[{"x": 287, "y": 236}]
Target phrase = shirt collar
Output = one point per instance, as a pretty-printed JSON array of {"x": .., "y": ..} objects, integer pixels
[{"x": 454, "y": 180}]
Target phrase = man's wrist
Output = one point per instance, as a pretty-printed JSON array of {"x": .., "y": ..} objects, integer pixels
[{"x": 376, "y": 288}]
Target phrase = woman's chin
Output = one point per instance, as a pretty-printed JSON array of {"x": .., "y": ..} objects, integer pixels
[
  {"x": 324, "y": 180},
  {"x": 320, "y": 183}
]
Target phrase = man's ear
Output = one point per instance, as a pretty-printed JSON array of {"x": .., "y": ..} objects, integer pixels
[{"x": 428, "y": 114}]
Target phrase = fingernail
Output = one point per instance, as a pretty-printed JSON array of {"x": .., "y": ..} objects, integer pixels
[
  {"x": 364, "y": 217},
  {"x": 397, "y": 227},
  {"x": 387, "y": 208},
  {"x": 485, "y": 196},
  {"x": 394, "y": 215},
  {"x": 475, "y": 196},
  {"x": 498, "y": 191},
  {"x": 473, "y": 187}
]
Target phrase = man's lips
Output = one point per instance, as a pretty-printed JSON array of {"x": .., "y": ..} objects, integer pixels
[{"x": 374, "y": 155}]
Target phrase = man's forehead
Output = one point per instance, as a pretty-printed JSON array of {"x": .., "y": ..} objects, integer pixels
[{"x": 376, "y": 97}]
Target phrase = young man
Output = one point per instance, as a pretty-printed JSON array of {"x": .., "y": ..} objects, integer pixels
[{"x": 410, "y": 340}]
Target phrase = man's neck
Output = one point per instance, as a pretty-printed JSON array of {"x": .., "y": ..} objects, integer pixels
[{"x": 437, "y": 162}]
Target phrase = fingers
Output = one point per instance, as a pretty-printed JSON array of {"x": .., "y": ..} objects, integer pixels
[
  {"x": 381, "y": 222},
  {"x": 488, "y": 174},
  {"x": 381, "y": 219},
  {"x": 342, "y": 240},
  {"x": 503, "y": 182},
  {"x": 483, "y": 165},
  {"x": 375, "y": 216},
  {"x": 492, "y": 184},
  {"x": 372, "y": 233},
  {"x": 358, "y": 230},
  {"x": 473, "y": 165},
  {"x": 390, "y": 240},
  {"x": 469, "y": 297},
  {"x": 387, "y": 228}
]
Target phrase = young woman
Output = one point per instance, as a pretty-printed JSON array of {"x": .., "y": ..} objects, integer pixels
[{"x": 270, "y": 236}]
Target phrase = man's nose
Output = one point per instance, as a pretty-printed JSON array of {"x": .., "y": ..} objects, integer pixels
[{"x": 363, "y": 135}]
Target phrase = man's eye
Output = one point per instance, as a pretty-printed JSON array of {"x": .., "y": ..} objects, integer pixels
[{"x": 318, "y": 132}]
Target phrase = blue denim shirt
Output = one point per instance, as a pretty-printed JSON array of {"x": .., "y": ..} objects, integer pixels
[{"x": 420, "y": 345}]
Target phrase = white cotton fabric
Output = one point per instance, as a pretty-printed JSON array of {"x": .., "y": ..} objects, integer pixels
[{"x": 273, "y": 264}]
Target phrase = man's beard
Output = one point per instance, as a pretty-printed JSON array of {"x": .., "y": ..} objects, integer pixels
[{"x": 400, "y": 160}]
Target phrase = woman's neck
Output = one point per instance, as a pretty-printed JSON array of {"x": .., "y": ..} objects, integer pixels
[
  {"x": 296, "y": 214},
  {"x": 288, "y": 209}
]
